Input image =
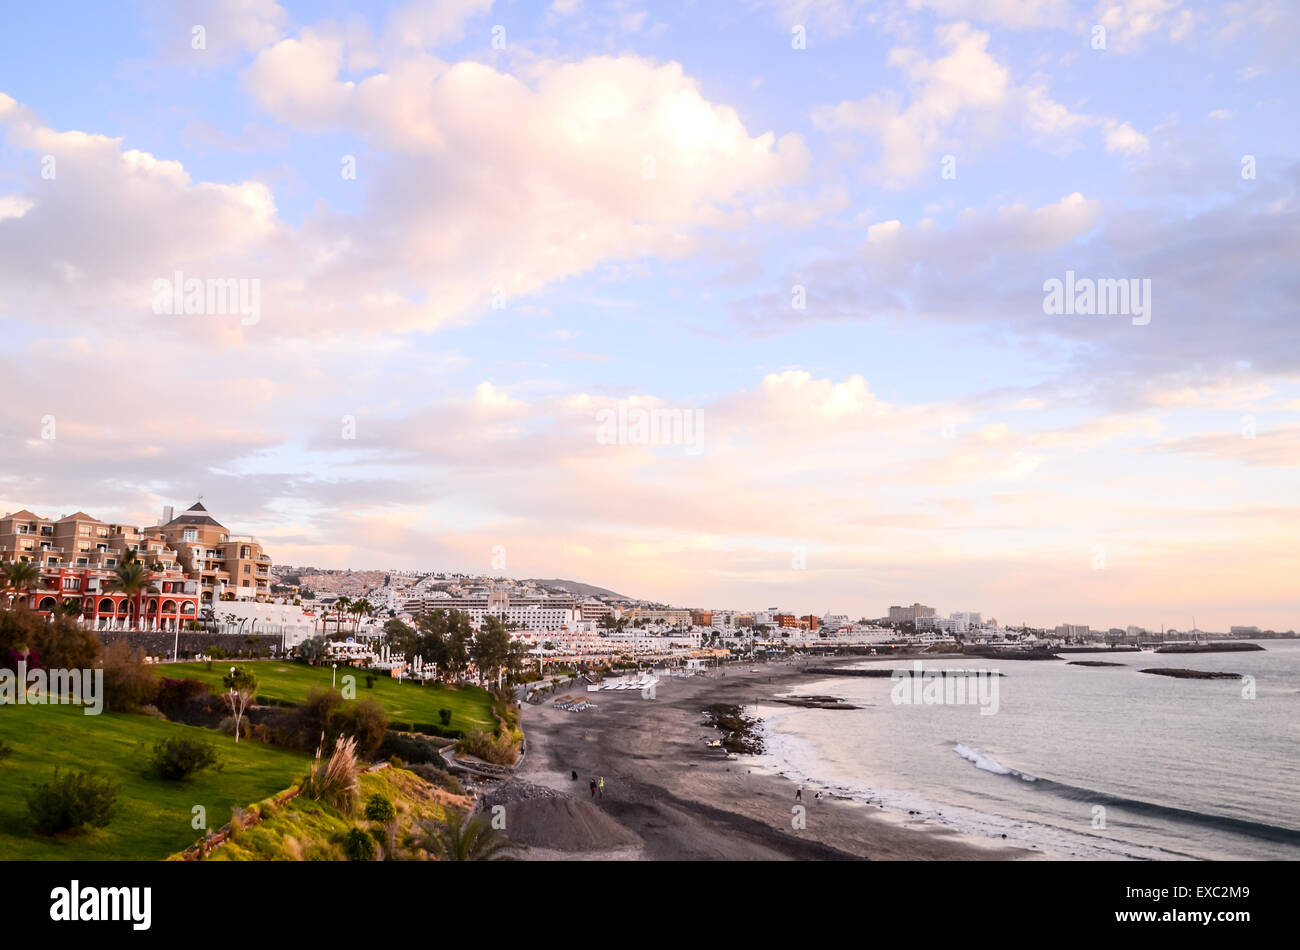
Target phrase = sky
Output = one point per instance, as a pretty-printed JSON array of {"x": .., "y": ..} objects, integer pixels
[{"x": 482, "y": 242}]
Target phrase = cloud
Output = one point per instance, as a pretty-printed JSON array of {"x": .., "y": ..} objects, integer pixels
[{"x": 957, "y": 103}]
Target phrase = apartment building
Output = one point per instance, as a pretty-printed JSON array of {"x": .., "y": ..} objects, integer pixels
[
  {"x": 219, "y": 561},
  {"x": 910, "y": 614},
  {"x": 76, "y": 556}
]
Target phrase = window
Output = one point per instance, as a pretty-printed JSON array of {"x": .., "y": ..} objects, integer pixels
[
  {"x": 247, "y": 569},
  {"x": 190, "y": 534},
  {"x": 71, "y": 583}
]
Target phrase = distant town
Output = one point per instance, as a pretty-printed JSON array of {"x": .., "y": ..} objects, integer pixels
[{"x": 205, "y": 581}]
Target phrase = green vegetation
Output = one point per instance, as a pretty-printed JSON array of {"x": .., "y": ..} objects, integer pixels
[
  {"x": 153, "y": 817},
  {"x": 176, "y": 758},
  {"x": 305, "y": 829},
  {"x": 71, "y": 801},
  {"x": 407, "y": 704},
  {"x": 460, "y": 838}
]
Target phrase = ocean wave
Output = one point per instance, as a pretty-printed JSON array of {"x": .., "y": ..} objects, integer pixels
[
  {"x": 1254, "y": 829},
  {"x": 985, "y": 761}
]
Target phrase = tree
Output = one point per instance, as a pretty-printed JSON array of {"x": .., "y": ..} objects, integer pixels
[
  {"x": 362, "y": 608},
  {"x": 64, "y": 644},
  {"x": 19, "y": 577},
  {"x": 460, "y": 838},
  {"x": 340, "y": 606},
  {"x": 132, "y": 578},
  {"x": 491, "y": 648},
  {"x": 240, "y": 686},
  {"x": 312, "y": 650},
  {"x": 459, "y": 637}
]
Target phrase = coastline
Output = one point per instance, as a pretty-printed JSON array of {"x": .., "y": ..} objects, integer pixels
[{"x": 686, "y": 801}]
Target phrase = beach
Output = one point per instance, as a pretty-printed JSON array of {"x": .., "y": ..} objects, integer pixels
[{"x": 686, "y": 801}]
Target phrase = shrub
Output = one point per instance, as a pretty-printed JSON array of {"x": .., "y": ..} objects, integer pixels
[
  {"x": 317, "y": 710},
  {"x": 6, "y": 750},
  {"x": 366, "y": 721},
  {"x": 70, "y": 802},
  {"x": 380, "y": 809},
  {"x": 178, "y": 757},
  {"x": 174, "y": 695},
  {"x": 335, "y": 782},
  {"x": 359, "y": 846},
  {"x": 370, "y": 681},
  {"x": 444, "y": 716},
  {"x": 129, "y": 682},
  {"x": 498, "y": 749},
  {"x": 64, "y": 644},
  {"x": 408, "y": 748}
]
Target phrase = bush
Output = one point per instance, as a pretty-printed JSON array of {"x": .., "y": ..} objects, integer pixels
[
  {"x": 444, "y": 716},
  {"x": 410, "y": 749},
  {"x": 499, "y": 750},
  {"x": 6, "y": 750},
  {"x": 174, "y": 695},
  {"x": 359, "y": 846},
  {"x": 178, "y": 757},
  {"x": 70, "y": 802},
  {"x": 129, "y": 682},
  {"x": 335, "y": 782},
  {"x": 366, "y": 721},
  {"x": 380, "y": 809}
]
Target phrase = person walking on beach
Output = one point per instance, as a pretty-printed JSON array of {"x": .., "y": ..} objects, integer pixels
[
  {"x": 601, "y": 786},
  {"x": 593, "y": 788},
  {"x": 798, "y": 794}
]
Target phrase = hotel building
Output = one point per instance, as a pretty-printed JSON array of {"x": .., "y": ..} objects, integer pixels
[
  {"x": 219, "y": 561},
  {"x": 76, "y": 556}
]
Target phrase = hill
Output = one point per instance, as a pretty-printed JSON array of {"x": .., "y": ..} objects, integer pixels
[{"x": 582, "y": 590}]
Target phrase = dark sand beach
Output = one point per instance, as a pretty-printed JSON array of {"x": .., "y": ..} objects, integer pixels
[{"x": 686, "y": 801}]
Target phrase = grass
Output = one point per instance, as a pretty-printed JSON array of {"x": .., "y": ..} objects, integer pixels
[
  {"x": 154, "y": 817},
  {"x": 471, "y": 707},
  {"x": 308, "y": 830}
]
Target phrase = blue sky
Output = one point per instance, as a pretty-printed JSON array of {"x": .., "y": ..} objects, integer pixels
[{"x": 921, "y": 427}]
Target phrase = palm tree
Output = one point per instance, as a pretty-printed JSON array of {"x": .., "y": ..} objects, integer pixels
[
  {"x": 132, "y": 578},
  {"x": 340, "y": 605},
  {"x": 461, "y": 838},
  {"x": 362, "y": 608},
  {"x": 68, "y": 608},
  {"x": 20, "y": 576}
]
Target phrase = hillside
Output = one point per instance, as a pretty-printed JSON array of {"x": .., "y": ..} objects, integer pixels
[{"x": 575, "y": 587}]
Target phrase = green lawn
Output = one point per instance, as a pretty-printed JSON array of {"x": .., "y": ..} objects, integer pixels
[
  {"x": 154, "y": 817},
  {"x": 471, "y": 707}
]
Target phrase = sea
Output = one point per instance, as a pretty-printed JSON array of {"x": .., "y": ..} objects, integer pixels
[{"x": 1076, "y": 762}]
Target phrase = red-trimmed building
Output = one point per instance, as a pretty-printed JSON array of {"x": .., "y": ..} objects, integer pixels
[{"x": 75, "y": 558}]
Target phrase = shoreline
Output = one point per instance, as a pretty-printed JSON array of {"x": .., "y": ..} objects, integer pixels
[{"x": 686, "y": 801}]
